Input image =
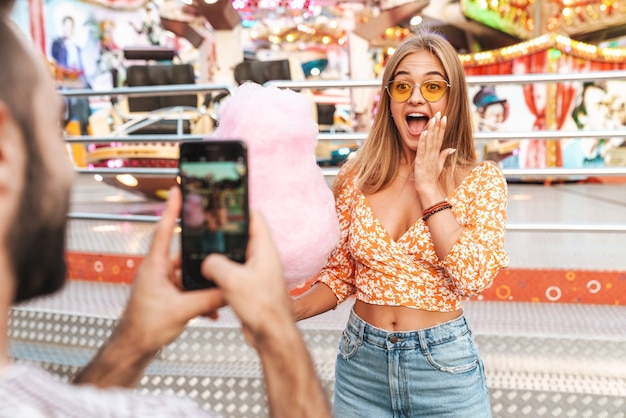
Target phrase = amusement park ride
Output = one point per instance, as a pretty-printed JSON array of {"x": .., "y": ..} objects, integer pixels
[
  {"x": 196, "y": 113},
  {"x": 173, "y": 115},
  {"x": 151, "y": 115}
]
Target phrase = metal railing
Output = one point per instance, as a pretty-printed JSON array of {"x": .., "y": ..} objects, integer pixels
[
  {"x": 546, "y": 173},
  {"x": 170, "y": 90},
  {"x": 480, "y": 137}
]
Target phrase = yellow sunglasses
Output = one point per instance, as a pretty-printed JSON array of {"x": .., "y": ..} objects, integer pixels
[{"x": 432, "y": 90}]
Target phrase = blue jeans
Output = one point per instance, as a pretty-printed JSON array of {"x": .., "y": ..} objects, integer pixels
[{"x": 433, "y": 372}]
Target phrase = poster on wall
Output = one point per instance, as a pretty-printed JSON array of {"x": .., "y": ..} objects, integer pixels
[
  {"x": 86, "y": 39},
  {"x": 589, "y": 106},
  {"x": 599, "y": 106},
  {"x": 493, "y": 106},
  {"x": 85, "y": 42}
]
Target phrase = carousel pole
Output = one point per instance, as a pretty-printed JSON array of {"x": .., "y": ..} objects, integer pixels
[
  {"x": 226, "y": 22},
  {"x": 553, "y": 148},
  {"x": 228, "y": 53},
  {"x": 358, "y": 55},
  {"x": 538, "y": 18}
]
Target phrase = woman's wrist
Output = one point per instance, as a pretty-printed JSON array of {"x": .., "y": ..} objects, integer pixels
[
  {"x": 437, "y": 207},
  {"x": 431, "y": 197}
]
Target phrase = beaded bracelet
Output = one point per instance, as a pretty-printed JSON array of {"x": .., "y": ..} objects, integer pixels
[{"x": 435, "y": 208}]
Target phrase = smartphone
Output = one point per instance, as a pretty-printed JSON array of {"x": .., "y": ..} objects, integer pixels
[{"x": 213, "y": 177}]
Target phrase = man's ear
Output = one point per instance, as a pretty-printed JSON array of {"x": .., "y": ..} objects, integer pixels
[
  {"x": 12, "y": 155},
  {"x": 5, "y": 119}
]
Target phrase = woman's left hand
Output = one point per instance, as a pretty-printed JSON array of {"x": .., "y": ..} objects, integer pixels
[{"x": 429, "y": 157}]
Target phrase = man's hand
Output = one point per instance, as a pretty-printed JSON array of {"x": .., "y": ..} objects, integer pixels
[
  {"x": 255, "y": 290},
  {"x": 158, "y": 310},
  {"x": 258, "y": 294},
  {"x": 156, "y": 313}
]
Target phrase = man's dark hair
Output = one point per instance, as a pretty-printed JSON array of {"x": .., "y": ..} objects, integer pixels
[{"x": 6, "y": 6}]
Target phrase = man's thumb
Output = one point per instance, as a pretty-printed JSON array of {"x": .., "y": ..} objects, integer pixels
[{"x": 217, "y": 267}]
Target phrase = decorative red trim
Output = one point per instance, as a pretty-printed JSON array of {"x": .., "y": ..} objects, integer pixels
[
  {"x": 107, "y": 268},
  {"x": 513, "y": 284},
  {"x": 558, "y": 285}
]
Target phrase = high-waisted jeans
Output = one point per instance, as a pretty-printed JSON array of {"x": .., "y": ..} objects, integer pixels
[{"x": 433, "y": 372}]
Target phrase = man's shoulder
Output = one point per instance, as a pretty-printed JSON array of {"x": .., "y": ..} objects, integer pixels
[{"x": 27, "y": 391}]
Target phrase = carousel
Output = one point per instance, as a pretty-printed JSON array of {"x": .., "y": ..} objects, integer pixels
[{"x": 556, "y": 106}]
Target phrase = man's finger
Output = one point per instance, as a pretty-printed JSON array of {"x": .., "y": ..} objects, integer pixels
[
  {"x": 218, "y": 267},
  {"x": 224, "y": 271},
  {"x": 201, "y": 302},
  {"x": 177, "y": 278},
  {"x": 260, "y": 234},
  {"x": 163, "y": 232}
]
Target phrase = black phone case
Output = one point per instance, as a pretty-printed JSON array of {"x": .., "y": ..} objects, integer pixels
[{"x": 213, "y": 177}]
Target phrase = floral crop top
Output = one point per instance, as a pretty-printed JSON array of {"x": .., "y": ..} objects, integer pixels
[{"x": 407, "y": 272}]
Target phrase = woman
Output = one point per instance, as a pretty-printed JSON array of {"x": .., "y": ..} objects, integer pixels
[{"x": 422, "y": 228}]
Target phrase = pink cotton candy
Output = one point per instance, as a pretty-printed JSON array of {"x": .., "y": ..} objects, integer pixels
[{"x": 286, "y": 184}]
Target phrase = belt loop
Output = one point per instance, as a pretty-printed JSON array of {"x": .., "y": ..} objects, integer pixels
[
  {"x": 356, "y": 324},
  {"x": 362, "y": 326},
  {"x": 421, "y": 338}
]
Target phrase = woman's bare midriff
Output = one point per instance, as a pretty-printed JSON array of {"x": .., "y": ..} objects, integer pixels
[{"x": 400, "y": 318}]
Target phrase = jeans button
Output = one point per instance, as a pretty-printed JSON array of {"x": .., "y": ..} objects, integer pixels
[{"x": 393, "y": 339}]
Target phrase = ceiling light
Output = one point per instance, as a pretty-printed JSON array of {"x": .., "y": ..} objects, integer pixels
[
  {"x": 416, "y": 20},
  {"x": 127, "y": 180}
]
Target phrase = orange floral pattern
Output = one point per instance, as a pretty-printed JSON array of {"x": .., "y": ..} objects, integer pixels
[{"x": 407, "y": 272}]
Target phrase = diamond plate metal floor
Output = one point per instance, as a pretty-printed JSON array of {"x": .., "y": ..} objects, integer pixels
[
  {"x": 561, "y": 360},
  {"x": 541, "y": 359}
]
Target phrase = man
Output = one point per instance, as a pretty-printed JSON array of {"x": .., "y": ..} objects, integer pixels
[
  {"x": 35, "y": 181},
  {"x": 65, "y": 51},
  {"x": 68, "y": 57}
]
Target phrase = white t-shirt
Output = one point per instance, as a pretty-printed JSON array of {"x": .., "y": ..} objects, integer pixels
[{"x": 28, "y": 392}]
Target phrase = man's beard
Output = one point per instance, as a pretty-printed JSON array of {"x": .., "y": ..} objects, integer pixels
[{"x": 36, "y": 242}]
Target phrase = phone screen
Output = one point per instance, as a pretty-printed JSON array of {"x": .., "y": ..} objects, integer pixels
[{"x": 214, "y": 218}]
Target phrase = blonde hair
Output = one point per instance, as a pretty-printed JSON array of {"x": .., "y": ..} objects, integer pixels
[{"x": 376, "y": 162}]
